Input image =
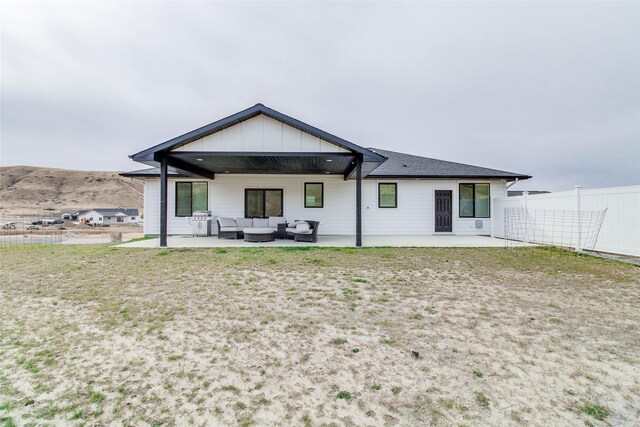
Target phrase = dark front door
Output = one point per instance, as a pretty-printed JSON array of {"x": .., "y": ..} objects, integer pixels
[{"x": 443, "y": 211}]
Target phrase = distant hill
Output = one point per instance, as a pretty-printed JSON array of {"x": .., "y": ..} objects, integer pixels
[{"x": 29, "y": 188}]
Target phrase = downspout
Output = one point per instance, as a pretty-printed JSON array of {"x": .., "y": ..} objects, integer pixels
[{"x": 512, "y": 183}]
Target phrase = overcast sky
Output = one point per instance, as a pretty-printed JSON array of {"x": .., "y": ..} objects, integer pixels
[{"x": 547, "y": 89}]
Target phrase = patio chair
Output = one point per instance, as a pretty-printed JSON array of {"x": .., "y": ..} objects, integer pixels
[
  {"x": 228, "y": 229},
  {"x": 310, "y": 236}
]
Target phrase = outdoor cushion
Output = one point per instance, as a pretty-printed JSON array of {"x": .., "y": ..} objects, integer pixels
[
  {"x": 261, "y": 222},
  {"x": 275, "y": 220},
  {"x": 294, "y": 223},
  {"x": 244, "y": 222},
  {"x": 226, "y": 222},
  {"x": 230, "y": 229},
  {"x": 291, "y": 229},
  {"x": 303, "y": 228}
]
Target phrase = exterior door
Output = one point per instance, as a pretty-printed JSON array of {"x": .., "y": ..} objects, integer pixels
[{"x": 443, "y": 211}]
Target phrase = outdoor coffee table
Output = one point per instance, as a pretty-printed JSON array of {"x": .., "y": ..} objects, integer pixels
[{"x": 259, "y": 234}]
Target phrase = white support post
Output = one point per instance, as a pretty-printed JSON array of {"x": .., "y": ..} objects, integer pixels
[
  {"x": 579, "y": 217},
  {"x": 525, "y": 239}
]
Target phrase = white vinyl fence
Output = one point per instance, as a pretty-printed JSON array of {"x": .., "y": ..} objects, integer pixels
[{"x": 567, "y": 214}]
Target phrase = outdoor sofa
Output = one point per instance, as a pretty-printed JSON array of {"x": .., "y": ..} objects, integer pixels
[{"x": 300, "y": 231}]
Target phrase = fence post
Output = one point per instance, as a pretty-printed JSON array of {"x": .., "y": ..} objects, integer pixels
[
  {"x": 525, "y": 238},
  {"x": 579, "y": 216}
]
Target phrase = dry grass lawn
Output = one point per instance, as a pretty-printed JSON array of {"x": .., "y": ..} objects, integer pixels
[{"x": 92, "y": 335}]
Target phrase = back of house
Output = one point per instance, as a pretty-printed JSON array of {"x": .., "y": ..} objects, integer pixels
[{"x": 260, "y": 163}]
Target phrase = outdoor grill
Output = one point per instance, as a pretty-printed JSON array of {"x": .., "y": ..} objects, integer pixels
[{"x": 201, "y": 223}]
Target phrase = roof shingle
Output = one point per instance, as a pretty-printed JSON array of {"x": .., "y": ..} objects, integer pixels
[{"x": 400, "y": 165}]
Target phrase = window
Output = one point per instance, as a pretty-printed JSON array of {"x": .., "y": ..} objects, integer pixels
[
  {"x": 262, "y": 203},
  {"x": 313, "y": 194},
  {"x": 190, "y": 197},
  {"x": 120, "y": 219},
  {"x": 387, "y": 195},
  {"x": 474, "y": 201},
  {"x": 133, "y": 218}
]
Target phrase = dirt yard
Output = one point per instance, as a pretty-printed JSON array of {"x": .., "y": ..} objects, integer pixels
[{"x": 92, "y": 335}]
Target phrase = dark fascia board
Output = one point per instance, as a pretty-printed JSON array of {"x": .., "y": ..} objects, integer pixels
[
  {"x": 241, "y": 116},
  {"x": 188, "y": 167},
  {"x": 144, "y": 175},
  {"x": 196, "y": 154},
  {"x": 151, "y": 173},
  {"x": 508, "y": 178}
]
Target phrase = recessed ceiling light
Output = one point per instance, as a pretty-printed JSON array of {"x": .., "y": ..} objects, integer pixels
[
  {"x": 226, "y": 171},
  {"x": 329, "y": 160},
  {"x": 327, "y": 172},
  {"x": 199, "y": 160}
]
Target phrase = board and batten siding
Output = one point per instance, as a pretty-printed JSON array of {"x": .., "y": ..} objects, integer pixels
[
  {"x": 262, "y": 134},
  {"x": 414, "y": 215}
]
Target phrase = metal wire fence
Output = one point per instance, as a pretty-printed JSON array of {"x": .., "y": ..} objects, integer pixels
[
  {"x": 575, "y": 229},
  {"x": 31, "y": 228}
]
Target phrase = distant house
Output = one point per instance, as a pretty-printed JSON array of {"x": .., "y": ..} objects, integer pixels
[
  {"x": 109, "y": 216},
  {"x": 70, "y": 215}
]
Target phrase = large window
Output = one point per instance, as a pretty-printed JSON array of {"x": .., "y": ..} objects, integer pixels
[
  {"x": 313, "y": 194},
  {"x": 474, "y": 201},
  {"x": 262, "y": 203},
  {"x": 387, "y": 195},
  {"x": 190, "y": 197}
]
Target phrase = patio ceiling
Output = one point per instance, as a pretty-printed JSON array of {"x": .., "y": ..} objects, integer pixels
[{"x": 208, "y": 163}]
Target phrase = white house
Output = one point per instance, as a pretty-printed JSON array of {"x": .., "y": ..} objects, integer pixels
[
  {"x": 115, "y": 216},
  {"x": 261, "y": 163}
]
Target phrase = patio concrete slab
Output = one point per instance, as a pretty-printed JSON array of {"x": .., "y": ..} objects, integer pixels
[{"x": 435, "y": 241}]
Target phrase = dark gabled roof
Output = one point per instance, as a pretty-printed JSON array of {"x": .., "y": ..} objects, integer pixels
[
  {"x": 112, "y": 211},
  {"x": 150, "y": 172},
  {"x": 400, "y": 165},
  {"x": 148, "y": 154},
  {"x": 394, "y": 167}
]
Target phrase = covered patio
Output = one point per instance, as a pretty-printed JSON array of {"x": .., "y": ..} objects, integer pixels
[
  {"x": 179, "y": 157},
  {"x": 435, "y": 241}
]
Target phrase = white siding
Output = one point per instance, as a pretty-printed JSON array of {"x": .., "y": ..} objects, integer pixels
[
  {"x": 415, "y": 213},
  {"x": 150, "y": 187},
  {"x": 413, "y": 216},
  {"x": 96, "y": 218},
  {"x": 226, "y": 198},
  {"x": 261, "y": 133}
]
